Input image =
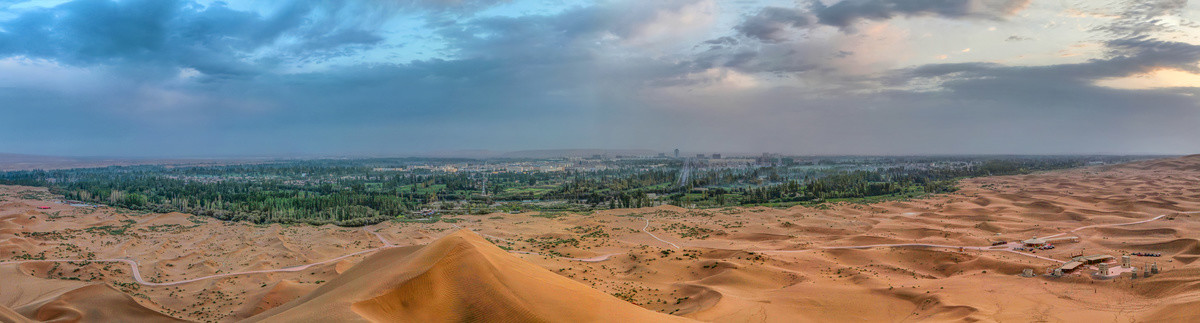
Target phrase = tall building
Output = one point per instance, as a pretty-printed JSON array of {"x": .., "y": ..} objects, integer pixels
[
  {"x": 716, "y": 156},
  {"x": 676, "y": 152}
]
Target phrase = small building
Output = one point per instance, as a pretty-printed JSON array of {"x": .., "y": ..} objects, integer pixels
[
  {"x": 1069, "y": 266},
  {"x": 1154, "y": 268},
  {"x": 1103, "y": 269},
  {"x": 1125, "y": 261},
  {"x": 1093, "y": 259},
  {"x": 1034, "y": 242}
]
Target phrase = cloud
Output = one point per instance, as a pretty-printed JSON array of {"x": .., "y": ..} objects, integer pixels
[
  {"x": 1144, "y": 17},
  {"x": 774, "y": 24},
  {"x": 578, "y": 33},
  {"x": 157, "y": 38},
  {"x": 845, "y": 13},
  {"x": 179, "y": 78}
]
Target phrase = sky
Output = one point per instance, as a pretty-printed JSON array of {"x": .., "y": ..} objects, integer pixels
[{"x": 169, "y": 78}]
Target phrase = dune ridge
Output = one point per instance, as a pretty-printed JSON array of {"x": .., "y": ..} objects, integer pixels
[{"x": 459, "y": 277}]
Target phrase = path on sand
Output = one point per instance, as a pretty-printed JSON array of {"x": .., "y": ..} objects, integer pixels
[
  {"x": 137, "y": 275},
  {"x": 656, "y": 237},
  {"x": 1009, "y": 247}
]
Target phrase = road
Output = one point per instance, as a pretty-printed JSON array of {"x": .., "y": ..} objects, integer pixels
[
  {"x": 1009, "y": 247},
  {"x": 656, "y": 237},
  {"x": 137, "y": 275}
]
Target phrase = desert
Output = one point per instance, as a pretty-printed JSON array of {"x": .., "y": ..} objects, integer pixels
[
  {"x": 599, "y": 161},
  {"x": 947, "y": 257}
]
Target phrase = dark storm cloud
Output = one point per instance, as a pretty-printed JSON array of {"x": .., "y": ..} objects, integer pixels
[{"x": 775, "y": 24}]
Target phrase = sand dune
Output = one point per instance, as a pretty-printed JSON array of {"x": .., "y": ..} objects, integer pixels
[
  {"x": 45, "y": 300},
  {"x": 460, "y": 277},
  {"x": 724, "y": 265}
]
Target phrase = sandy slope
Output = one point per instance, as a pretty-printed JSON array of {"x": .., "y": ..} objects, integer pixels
[
  {"x": 725, "y": 265},
  {"x": 38, "y": 299},
  {"x": 460, "y": 277}
]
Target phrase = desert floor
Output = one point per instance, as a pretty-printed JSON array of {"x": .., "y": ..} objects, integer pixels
[{"x": 914, "y": 260}]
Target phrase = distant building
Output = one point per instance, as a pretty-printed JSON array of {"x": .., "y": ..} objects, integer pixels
[
  {"x": 1094, "y": 259},
  {"x": 662, "y": 155},
  {"x": 676, "y": 152},
  {"x": 1070, "y": 266},
  {"x": 716, "y": 156},
  {"x": 700, "y": 156}
]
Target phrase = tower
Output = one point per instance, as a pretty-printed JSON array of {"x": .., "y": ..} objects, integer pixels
[
  {"x": 676, "y": 152},
  {"x": 1154, "y": 268},
  {"x": 1103, "y": 269},
  {"x": 1125, "y": 261}
]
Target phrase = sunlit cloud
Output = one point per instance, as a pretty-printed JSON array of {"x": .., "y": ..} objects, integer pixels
[{"x": 1159, "y": 78}]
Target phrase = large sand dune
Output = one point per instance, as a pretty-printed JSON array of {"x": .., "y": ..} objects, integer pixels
[
  {"x": 37, "y": 299},
  {"x": 460, "y": 277},
  {"x": 924, "y": 259}
]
